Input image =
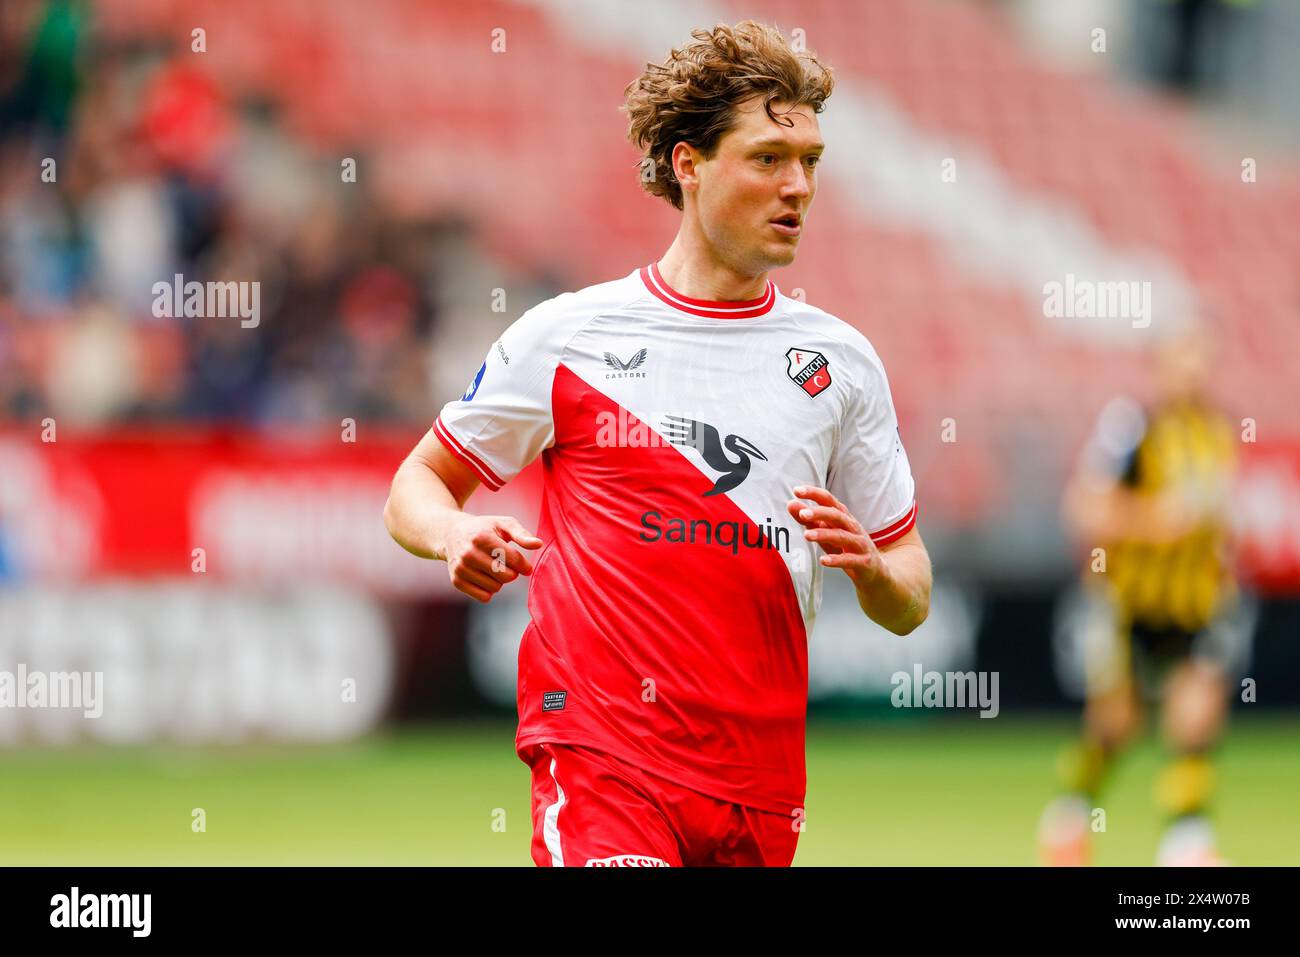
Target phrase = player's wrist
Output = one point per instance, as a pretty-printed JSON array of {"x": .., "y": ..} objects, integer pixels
[
  {"x": 450, "y": 538},
  {"x": 889, "y": 600},
  {"x": 874, "y": 576}
]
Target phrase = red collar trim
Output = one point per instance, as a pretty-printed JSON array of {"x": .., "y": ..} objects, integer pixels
[{"x": 747, "y": 309}]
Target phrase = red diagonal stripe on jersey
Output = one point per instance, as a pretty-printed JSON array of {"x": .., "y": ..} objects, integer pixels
[{"x": 715, "y": 628}]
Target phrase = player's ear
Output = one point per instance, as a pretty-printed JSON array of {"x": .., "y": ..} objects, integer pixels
[{"x": 686, "y": 160}]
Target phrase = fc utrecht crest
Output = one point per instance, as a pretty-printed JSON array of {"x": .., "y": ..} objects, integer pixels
[{"x": 809, "y": 370}]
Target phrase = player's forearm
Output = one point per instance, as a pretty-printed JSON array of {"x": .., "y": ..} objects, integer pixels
[
  {"x": 1101, "y": 513},
  {"x": 1098, "y": 513},
  {"x": 899, "y": 600},
  {"x": 420, "y": 510}
]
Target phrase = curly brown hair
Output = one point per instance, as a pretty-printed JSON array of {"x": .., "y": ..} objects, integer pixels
[{"x": 693, "y": 94}]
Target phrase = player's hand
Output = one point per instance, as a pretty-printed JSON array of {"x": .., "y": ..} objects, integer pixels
[
  {"x": 847, "y": 545},
  {"x": 1173, "y": 515},
  {"x": 479, "y": 557}
]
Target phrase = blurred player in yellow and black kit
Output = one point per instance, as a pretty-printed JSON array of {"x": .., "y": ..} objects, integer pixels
[{"x": 1152, "y": 493}]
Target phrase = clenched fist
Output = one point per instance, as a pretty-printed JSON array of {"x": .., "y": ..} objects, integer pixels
[{"x": 480, "y": 558}]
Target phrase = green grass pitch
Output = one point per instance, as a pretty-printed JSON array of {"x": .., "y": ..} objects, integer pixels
[{"x": 886, "y": 792}]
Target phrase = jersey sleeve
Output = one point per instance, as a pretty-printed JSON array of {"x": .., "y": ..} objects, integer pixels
[
  {"x": 503, "y": 421},
  {"x": 1113, "y": 450},
  {"x": 869, "y": 471}
]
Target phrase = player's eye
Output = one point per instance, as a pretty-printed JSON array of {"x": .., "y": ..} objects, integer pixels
[
  {"x": 813, "y": 161},
  {"x": 767, "y": 159}
]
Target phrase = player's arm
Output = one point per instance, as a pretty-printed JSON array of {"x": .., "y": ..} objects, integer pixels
[
  {"x": 893, "y": 583},
  {"x": 489, "y": 434},
  {"x": 906, "y": 601},
  {"x": 425, "y": 515},
  {"x": 870, "y": 492},
  {"x": 1102, "y": 504},
  {"x": 1098, "y": 509}
]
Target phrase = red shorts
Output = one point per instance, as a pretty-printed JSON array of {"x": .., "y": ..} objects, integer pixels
[{"x": 592, "y": 809}]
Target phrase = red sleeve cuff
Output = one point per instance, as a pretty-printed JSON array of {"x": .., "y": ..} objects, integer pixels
[
  {"x": 896, "y": 530},
  {"x": 472, "y": 461}
]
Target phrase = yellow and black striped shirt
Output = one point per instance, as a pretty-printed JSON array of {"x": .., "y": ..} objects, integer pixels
[{"x": 1187, "y": 448}]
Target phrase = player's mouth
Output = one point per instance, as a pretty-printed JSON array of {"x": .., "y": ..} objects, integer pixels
[{"x": 788, "y": 225}]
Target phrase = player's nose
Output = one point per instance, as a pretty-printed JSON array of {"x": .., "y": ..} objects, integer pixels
[{"x": 797, "y": 183}]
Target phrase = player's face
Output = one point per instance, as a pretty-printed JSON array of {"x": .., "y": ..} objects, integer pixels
[
  {"x": 1183, "y": 365},
  {"x": 762, "y": 172}
]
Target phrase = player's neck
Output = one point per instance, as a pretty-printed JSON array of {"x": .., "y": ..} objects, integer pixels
[{"x": 692, "y": 271}]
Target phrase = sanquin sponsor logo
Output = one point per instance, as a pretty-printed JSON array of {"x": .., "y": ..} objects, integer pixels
[
  {"x": 627, "y": 860},
  {"x": 700, "y": 531}
]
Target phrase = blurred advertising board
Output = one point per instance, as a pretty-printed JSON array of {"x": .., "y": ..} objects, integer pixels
[
  {"x": 288, "y": 507},
  {"x": 233, "y": 506}
]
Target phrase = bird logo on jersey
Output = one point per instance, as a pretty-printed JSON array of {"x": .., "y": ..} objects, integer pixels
[
  {"x": 705, "y": 439},
  {"x": 614, "y": 362},
  {"x": 808, "y": 370}
]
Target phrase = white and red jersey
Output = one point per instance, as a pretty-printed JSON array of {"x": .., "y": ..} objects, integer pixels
[{"x": 672, "y": 601}]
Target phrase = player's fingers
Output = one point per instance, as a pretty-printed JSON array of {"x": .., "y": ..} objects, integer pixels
[
  {"x": 833, "y": 517},
  {"x": 478, "y": 594},
  {"x": 818, "y": 494},
  {"x": 822, "y": 497},
  {"x": 845, "y": 559},
  {"x": 493, "y": 562},
  {"x": 518, "y": 561},
  {"x": 513, "y": 531},
  {"x": 460, "y": 580},
  {"x": 839, "y": 538},
  {"x": 491, "y": 554},
  {"x": 851, "y": 561},
  {"x": 464, "y": 572},
  {"x": 510, "y": 562},
  {"x": 796, "y": 509}
]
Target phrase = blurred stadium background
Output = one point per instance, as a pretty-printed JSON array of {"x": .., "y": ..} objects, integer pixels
[{"x": 404, "y": 178}]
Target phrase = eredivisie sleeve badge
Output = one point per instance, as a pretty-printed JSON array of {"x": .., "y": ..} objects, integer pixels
[{"x": 808, "y": 370}]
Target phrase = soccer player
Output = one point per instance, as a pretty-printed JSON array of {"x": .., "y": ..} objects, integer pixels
[
  {"x": 1153, "y": 491},
  {"x": 709, "y": 446}
]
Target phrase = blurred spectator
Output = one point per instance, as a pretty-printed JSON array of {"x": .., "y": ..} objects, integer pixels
[{"x": 162, "y": 172}]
